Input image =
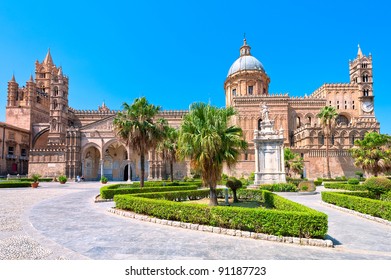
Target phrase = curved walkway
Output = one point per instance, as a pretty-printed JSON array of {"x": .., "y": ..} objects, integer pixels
[{"x": 63, "y": 222}]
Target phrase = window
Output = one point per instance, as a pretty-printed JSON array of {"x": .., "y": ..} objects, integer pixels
[
  {"x": 246, "y": 156},
  {"x": 10, "y": 150},
  {"x": 330, "y": 102},
  {"x": 42, "y": 75},
  {"x": 234, "y": 92},
  {"x": 250, "y": 90},
  {"x": 365, "y": 78},
  {"x": 55, "y": 91},
  {"x": 332, "y": 139},
  {"x": 23, "y": 152},
  {"x": 321, "y": 139},
  {"x": 342, "y": 120},
  {"x": 352, "y": 139},
  {"x": 366, "y": 92}
]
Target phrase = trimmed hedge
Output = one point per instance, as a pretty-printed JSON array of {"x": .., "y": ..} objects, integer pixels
[
  {"x": 356, "y": 202},
  {"x": 353, "y": 181},
  {"x": 108, "y": 192},
  {"x": 279, "y": 187},
  {"x": 14, "y": 184},
  {"x": 285, "y": 219},
  {"x": 345, "y": 186}
]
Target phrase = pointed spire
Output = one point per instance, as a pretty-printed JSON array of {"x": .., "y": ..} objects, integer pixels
[
  {"x": 59, "y": 71},
  {"x": 13, "y": 78},
  {"x": 359, "y": 53},
  {"x": 31, "y": 79},
  {"x": 48, "y": 59}
]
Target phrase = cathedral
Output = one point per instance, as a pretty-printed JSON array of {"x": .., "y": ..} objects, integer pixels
[{"x": 61, "y": 140}]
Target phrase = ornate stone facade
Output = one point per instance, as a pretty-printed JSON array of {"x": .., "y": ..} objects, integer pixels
[
  {"x": 82, "y": 142},
  {"x": 247, "y": 87}
]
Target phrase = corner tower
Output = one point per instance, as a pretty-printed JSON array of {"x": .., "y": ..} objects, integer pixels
[{"x": 246, "y": 77}]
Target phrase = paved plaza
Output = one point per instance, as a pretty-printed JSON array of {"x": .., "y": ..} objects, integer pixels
[{"x": 63, "y": 222}]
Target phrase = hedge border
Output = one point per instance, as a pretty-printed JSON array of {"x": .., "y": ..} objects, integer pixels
[
  {"x": 345, "y": 186},
  {"x": 356, "y": 202},
  {"x": 289, "y": 219},
  {"x": 13, "y": 184},
  {"x": 108, "y": 192},
  {"x": 218, "y": 230}
]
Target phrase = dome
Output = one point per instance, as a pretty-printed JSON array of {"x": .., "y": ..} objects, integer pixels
[{"x": 245, "y": 62}]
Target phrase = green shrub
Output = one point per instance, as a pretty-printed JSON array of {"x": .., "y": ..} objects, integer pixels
[
  {"x": 359, "y": 174},
  {"x": 308, "y": 186},
  {"x": 318, "y": 182},
  {"x": 104, "y": 179},
  {"x": 14, "y": 184},
  {"x": 386, "y": 196},
  {"x": 108, "y": 192},
  {"x": 358, "y": 202},
  {"x": 234, "y": 184},
  {"x": 62, "y": 179},
  {"x": 353, "y": 181},
  {"x": 378, "y": 185},
  {"x": 279, "y": 187},
  {"x": 285, "y": 219},
  {"x": 35, "y": 177},
  {"x": 345, "y": 186},
  {"x": 295, "y": 181}
]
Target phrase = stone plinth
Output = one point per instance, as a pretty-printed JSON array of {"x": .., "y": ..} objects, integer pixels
[{"x": 269, "y": 152}]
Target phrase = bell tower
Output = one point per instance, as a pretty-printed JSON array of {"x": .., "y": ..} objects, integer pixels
[
  {"x": 360, "y": 70},
  {"x": 58, "y": 107}
]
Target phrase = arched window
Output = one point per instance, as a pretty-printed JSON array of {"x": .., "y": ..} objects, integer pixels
[
  {"x": 332, "y": 139},
  {"x": 55, "y": 105},
  {"x": 321, "y": 139},
  {"x": 341, "y": 119},
  {"x": 250, "y": 90},
  {"x": 55, "y": 91},
  {"x": 366, "y": 92},
  {"x": 352, "y": 139},
  {"x": 365, "y": 78},
  {"x": 234, "y": 92}
]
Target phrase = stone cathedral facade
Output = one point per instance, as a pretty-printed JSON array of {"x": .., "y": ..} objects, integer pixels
[{"x": 82, "y": 142}]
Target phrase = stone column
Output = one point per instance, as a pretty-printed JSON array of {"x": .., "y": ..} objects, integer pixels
[
  {"x": 101, "y": 168},
  {"x": 129, "y": 178}
]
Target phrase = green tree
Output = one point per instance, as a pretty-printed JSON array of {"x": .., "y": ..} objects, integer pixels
[
  {"x": 373, "y": 153},
  {"x": 168, "y": 147},
  {"x": 208, "y": 139},
  {"x": 327, "y": 116},
  {"x": 293, "y": 162},
  {"x": 135, "y": 126}
]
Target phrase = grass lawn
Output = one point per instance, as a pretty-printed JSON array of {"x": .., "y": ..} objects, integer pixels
[{"x": 241, "y": 203}]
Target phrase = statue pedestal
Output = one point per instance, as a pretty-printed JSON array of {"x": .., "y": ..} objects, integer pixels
[{"x": 269, "y": 154}]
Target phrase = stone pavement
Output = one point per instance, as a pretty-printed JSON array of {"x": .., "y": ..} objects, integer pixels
[{"x": 63, "y": 222}]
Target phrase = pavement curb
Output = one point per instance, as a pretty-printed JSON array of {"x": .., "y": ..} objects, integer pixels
[{"x": 219, "y": 230}]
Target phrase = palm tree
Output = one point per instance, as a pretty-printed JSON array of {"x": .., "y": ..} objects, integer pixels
[
  {"x": 136, "y": 127},
  {"x": 293, "y": 162},
  {"x": 373, "y": 153},
  {"x": 208, "y": 140},
  {"x": 327, "y": 116},
  {"x": 168, "y": 147}
]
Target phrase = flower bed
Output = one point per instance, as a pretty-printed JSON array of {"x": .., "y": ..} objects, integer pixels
[{"x": 286, "y": 218}]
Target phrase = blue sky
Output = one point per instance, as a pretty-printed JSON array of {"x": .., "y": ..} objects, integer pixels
[{"x": 178, "y": 52}]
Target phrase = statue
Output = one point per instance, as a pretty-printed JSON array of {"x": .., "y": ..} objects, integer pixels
[{"x": 265, "y": 112}]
